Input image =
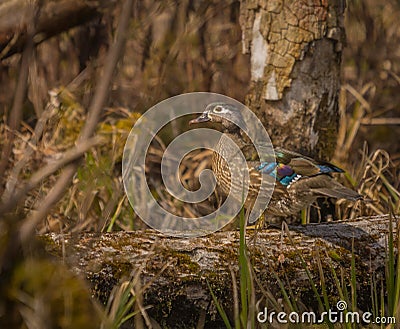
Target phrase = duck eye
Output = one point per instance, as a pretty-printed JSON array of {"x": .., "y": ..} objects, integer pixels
[{"x": 218, "y": 109}]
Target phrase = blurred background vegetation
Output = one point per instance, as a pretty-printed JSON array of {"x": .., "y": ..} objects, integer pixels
[{"x": 173, "y": 49}]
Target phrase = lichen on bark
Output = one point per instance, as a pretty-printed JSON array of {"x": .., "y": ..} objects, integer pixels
[{"x": 176, "y": 272}]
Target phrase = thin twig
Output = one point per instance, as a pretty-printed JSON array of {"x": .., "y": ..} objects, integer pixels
[
  {"x": 95, "y": 108},
  {"x": 20, "y": 94},
  {"x": 380, "y": 121},
  {"x": 31, "y": 147},
  {"x": 51, "y": 198},
  {"x": 69, "y": 156},
  {"x": 360, "y": 95}
]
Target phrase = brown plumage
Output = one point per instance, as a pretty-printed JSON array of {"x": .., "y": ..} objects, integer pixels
[{"x": 297, "y": 180}]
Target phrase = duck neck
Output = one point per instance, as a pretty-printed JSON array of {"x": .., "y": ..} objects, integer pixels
[{"x": 235, "y": 131}]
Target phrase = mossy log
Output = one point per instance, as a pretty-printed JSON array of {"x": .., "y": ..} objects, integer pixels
[{"x": 178, "y": 270}]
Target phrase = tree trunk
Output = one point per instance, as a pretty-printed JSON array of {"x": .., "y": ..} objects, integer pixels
[
  {"x": 177, "y": 270},
  {"x": 295, "y": 48}
]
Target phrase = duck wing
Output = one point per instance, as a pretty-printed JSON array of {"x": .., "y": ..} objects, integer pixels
[{"x": 288, "y": 167}]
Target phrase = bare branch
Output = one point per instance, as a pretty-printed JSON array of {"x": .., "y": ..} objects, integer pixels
[
  {"x": 12, "y": 180},
  {"x": 68, "y": 157},
  {"x": 15, "y": 115},
  {"x": 93, "y": 115}
]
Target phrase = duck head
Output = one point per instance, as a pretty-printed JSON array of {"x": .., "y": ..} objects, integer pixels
[{"x": 227, "y": 114}]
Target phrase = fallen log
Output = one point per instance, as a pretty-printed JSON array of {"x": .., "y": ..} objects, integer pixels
[{"x": 177, "y": 270}]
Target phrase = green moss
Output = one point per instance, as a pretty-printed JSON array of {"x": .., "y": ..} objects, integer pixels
[
  {"x": 50, "y": 245},
  {"x": 183, "y": 261}
]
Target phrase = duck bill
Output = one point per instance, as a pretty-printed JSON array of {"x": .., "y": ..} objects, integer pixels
[{"x": 202, "y": 118}]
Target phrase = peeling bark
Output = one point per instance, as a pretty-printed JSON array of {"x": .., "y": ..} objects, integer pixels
[
  {"x": 179, "y": 269},
  {"x": 295, "y": 48}
]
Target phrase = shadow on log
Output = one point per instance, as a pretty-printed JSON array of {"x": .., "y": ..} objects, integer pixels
[{"x": 179, "y": 269}]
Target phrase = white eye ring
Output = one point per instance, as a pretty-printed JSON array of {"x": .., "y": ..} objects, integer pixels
[{"x": 218, "y": 109}]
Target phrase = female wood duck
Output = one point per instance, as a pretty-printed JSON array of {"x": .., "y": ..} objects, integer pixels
[{"x": 298, "y": 180}]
